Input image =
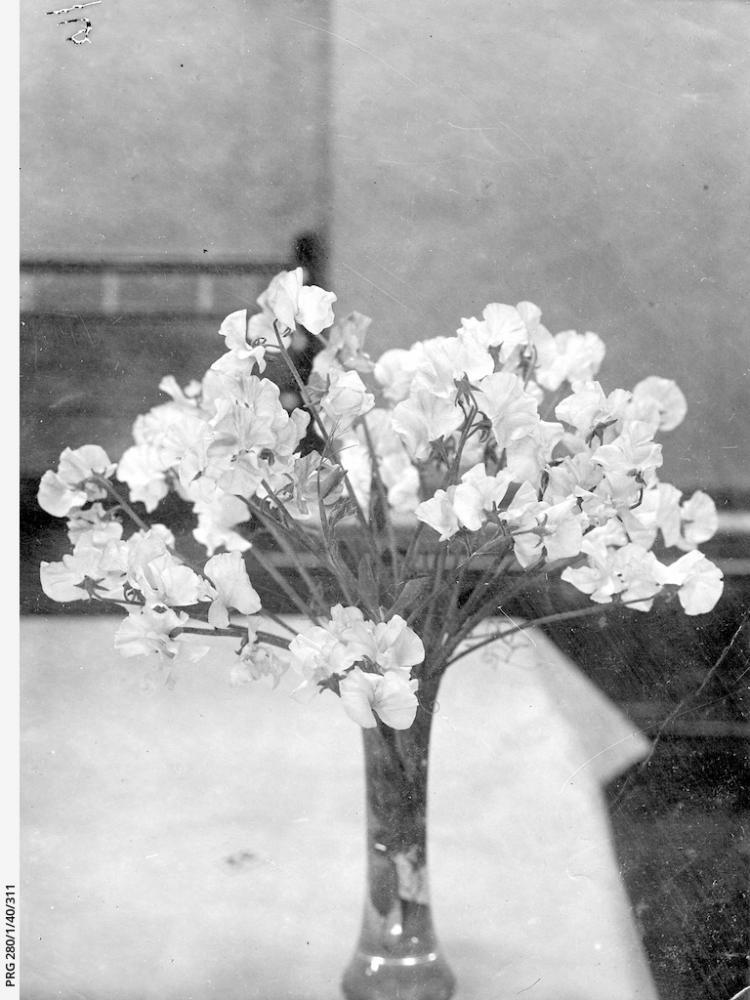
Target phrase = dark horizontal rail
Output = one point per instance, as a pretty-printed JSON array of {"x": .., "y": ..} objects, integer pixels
[{"x": 225, "y": 266}]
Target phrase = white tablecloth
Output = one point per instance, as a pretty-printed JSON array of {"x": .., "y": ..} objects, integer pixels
[{"x": 208, "y": 840}]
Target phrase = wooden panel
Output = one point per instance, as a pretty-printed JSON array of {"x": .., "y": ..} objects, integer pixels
[{"x": 85, "y": 379}]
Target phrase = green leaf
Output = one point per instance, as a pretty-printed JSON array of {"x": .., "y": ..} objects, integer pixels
[
  {"x": 378, "y": 509},
  {"x": 342, "y": 508},
  {"x": 412, "y": 593},
  {"x": 383, "y": 883}
]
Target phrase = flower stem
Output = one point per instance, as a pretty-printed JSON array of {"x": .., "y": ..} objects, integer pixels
[
  {"x": 233, "y": 632},
  {"x": 331, "y": 553},
  {"x": 456, "y": 584},
  {"x": 560, "y": 616},
  {"x": 492, "y": 574},
  {"x": 271, "y": 639},
  {"x": 382, "y": 494},
  {"x": 285, "y": 587},
  {"x": 411, "y": 550},
  {"x": 327, "y": 440},
  {"x": 432, "y": 611},
  {"x": 475, "y": 611},
  {"x": 277, "y": 621},
  {"x": 103, "y": 481},
  {"x": 272, "y": 526},
  {"x": 465, "y": 432}
]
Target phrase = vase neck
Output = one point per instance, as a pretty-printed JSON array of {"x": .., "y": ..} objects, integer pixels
[
  {"x": 398, "y": 952},
  {"x": 396, "y": 767}
]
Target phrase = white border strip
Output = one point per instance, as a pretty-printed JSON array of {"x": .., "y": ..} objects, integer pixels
[{"x": 9, "y": 665}]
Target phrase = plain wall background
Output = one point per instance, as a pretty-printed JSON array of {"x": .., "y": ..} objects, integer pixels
[
  {"x": 586, "y": 155},
  {"x": 181, "y": 127}
]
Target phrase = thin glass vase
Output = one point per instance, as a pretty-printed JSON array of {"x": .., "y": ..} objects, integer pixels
[{"x": 398, "y": 956}]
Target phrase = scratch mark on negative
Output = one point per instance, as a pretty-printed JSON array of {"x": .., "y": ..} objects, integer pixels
[
  {"x": 354, "y": 45},
  {"x": 492, "y": 128},
  {"x": 586, "y": 763},
  {"x": 527, "y": 988},
  {"x": 375, "y": 285}
]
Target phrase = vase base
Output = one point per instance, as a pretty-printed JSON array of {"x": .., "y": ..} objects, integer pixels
[{"x": 378, "y": 977}]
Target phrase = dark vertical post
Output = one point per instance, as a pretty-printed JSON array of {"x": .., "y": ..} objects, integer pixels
[{"x": 311, "y": 253}]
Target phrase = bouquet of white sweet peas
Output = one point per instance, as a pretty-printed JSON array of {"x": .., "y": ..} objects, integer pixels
[{"x": 413, "y": 497}]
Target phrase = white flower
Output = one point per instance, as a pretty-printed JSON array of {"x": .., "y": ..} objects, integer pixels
[
  {"x": 177, "y": 436},
  {"x": 543, "y": 530},
  {"x": 588, "y": 409},
  {"x": 395, "y": 370},
  {"x": 72, "y": 486},
  {"x": 630, "y": 571},
  {"x": 315, "y": 308},
  {"x": 343, "y": 619},
  {"x": 400, "y": 477},
  {"x": 346, "y": 399},
  {"x": 531, "y": 316},
  {"x": 477, "y": 494},
  {"x": 641, "y": 519},
  {"x": 159, "y": 575},
  {"x": 501, "y": 326},
  {"x": 440, "y": 513},
  {"x": 527, "y": 457},
  {"x": 256, "y": 661},
  {"x": 142, "y": 468},
  {"x": 354, "y": 457},
  {"x": 699, "y": 582},
  {"x": 658, "y": 401},
  {"x": 232, "y": 588},
  {"x": 89, "y": 571},
  {"x": 395, "y": 646},
  {"x": 345, "y": 346},
  {"x": 93, "y": 527},
  {"x": 64, "y": 581},
  {"x": 637, "y": 568},
  {"x": 577, "y": 475},
  {"x": 81, "y": 463},
  {"x": 599, "y": 540},
  {"x": 699, "y": 520},
  {"x": 576, "y": 357},
  {"x": 316, "y": 654},
  {"x": 689, "y": 524},
  {"x": 312, "y": 480},
  {"x": 443, "y": 360},
  {"x": 254, "y": 437},
  {"x": 669, "y": 515},
  {"x": 332, "y": 656},
  {"x": 291, "y": 302},
  {"x": 633, "y": 451},
  {"x": 217, "y": 519},
  {"x": 423, "y": 418},
  {"x": 148, "y": 630},
  {"x": 597, "y": 579},
  {"x": 392, "y": 696},
  {"x": 281, "y": 298},
  {"x": 511, "y": 410},
  {"x": 583, "y": 489},
  {"x": 246, "y": 341}
]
